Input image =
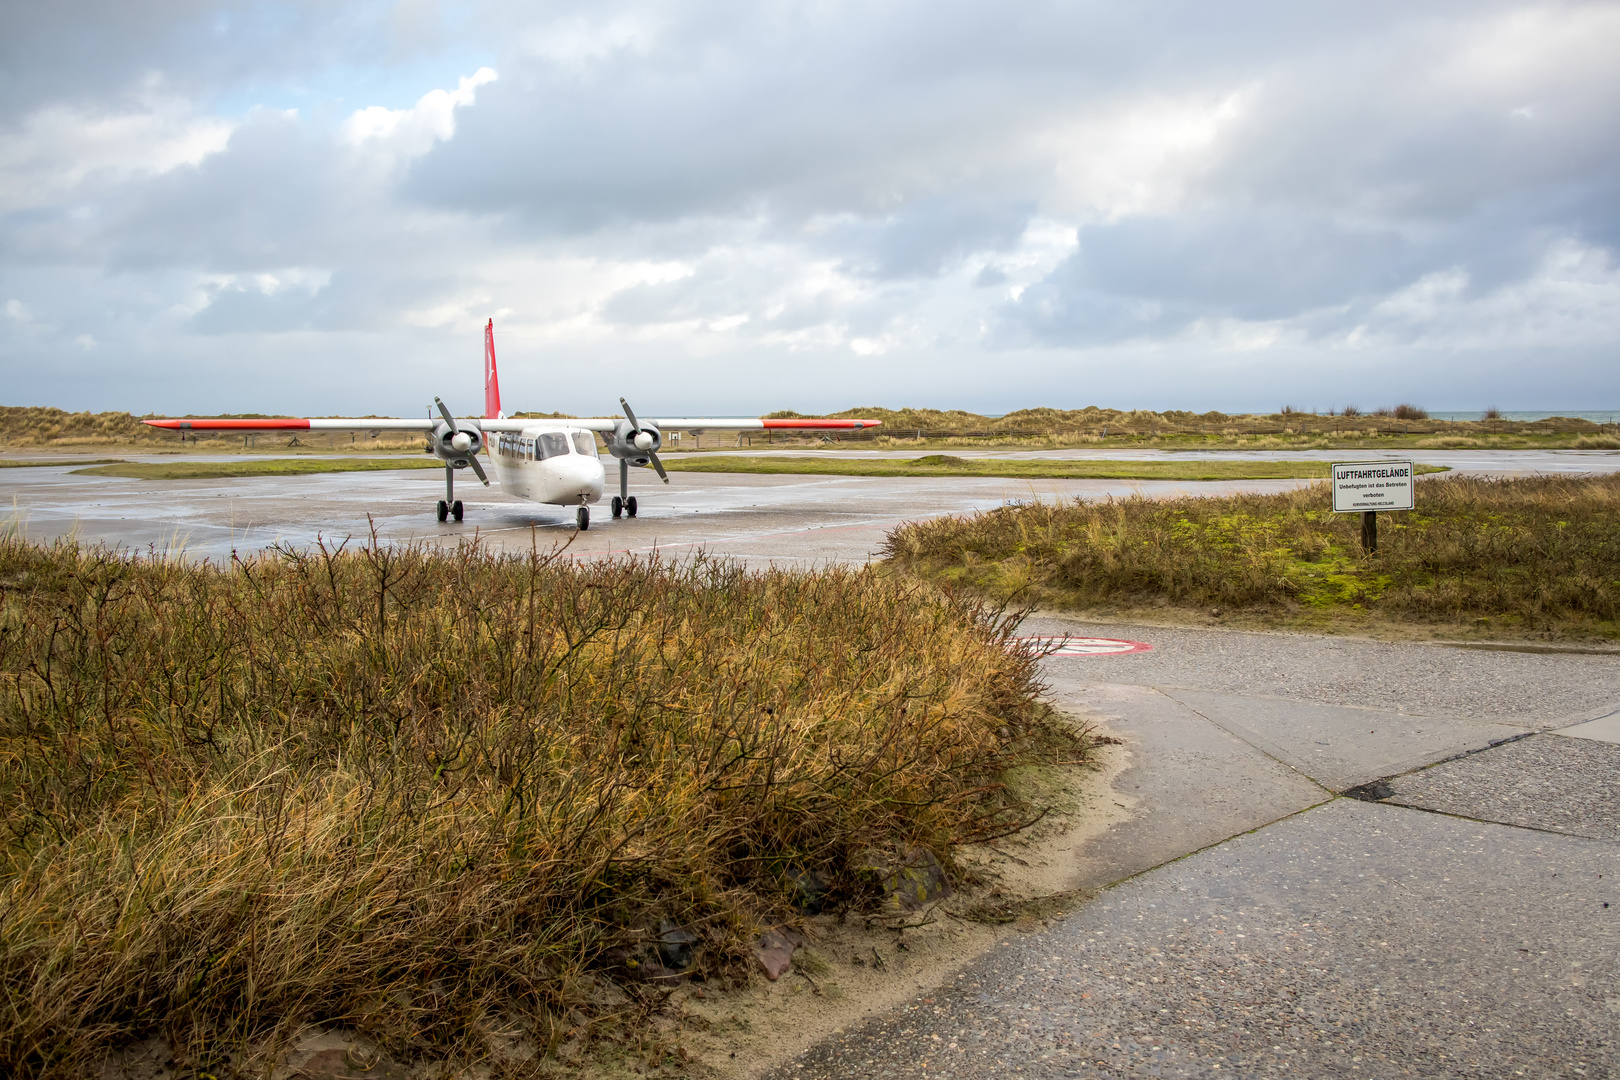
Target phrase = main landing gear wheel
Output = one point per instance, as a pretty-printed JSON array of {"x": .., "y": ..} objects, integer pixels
[
  {"x": 455, "y": 510},
  {"x": 618, "y": 506},
  {"x": 630, "y": 506},
  {"x": 584, "y": 518},
  {"x": 444, "y": 510}
]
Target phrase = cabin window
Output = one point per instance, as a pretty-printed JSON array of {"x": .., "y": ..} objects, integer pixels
[
  {"x": 585, "y": 443},
  {"x": 553, "y": 444}
]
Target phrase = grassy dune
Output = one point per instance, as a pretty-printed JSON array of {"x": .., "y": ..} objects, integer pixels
[
  {"x": 213, "y": 470},
  {"x": 1038, "y": 427},
  {"x": 1535, "y": 556},
  {"x": 434, "y": 796},
  {"x": 947, "y": 465}
]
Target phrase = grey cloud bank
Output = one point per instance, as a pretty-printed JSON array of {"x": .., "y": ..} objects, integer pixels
[{"x": 734, "y": 207}]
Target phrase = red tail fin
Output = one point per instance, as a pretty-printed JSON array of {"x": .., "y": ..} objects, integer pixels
[{"x": 492, "y": 381}]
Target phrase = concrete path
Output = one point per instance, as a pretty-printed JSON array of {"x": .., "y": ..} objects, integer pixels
[{"x": 1460, "y": 918}]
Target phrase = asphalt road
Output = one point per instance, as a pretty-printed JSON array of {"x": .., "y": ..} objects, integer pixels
[
  {"x": 1460, "y": 918},
  {"x": 1349, "y": 940}
]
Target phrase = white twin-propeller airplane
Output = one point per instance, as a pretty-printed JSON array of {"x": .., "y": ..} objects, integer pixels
[{"x": 545, "y": 461}]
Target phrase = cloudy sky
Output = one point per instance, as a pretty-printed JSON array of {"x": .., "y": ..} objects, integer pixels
[{"x": 312, "y": 207}]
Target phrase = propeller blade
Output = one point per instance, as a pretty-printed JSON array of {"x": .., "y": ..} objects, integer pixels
[
  {"x": 446, "y": 414},
  {"x": 629, "y": 415},
  {"x": 477, "y": 468},
  {"x": 659, "y": 465}
]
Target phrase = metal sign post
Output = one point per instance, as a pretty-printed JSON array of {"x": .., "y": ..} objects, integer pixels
[{"x": 1366, "y": 487}]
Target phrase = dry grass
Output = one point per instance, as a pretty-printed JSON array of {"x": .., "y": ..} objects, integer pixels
[
  {"x": 1404, "y": 425},
  {"x": 429, "y": 795},
  {"x": 1537, "y": 555},
  {"x": 37, "y": 426}
]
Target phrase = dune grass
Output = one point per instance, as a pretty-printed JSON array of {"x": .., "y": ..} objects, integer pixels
[
  {"x": 436, "y": 796},
  {"x": 214, "y": 470},
  {"x": 1538, "y": 555},
  {"x": 1012, "y": 468}
]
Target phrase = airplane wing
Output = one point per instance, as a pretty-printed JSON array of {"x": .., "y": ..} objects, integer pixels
[
  {"x": 458, "y": 441},
  {"x": 707, "y": 423},
  {"x": 298, "y": 423},
  {"x": 590, "y": 423},
  {"x": 712, "y": 423}
]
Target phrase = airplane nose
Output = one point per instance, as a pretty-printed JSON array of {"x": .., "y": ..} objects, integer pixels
[{"x": 584, "y": 475}]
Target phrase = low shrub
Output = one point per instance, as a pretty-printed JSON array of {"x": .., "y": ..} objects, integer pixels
[
  {"x": 1542, "y": 553},
  {"x": 424, "y": 794}
]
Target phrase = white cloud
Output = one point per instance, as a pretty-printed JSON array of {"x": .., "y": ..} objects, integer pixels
[
  {"x": 1572, "y": 300},
  {"x": 575, "y": 43},
  {"x": 1533, "y": 50},
  {"x": 58, "y": 150},
  {"x": 406, "y": 133},
  {"x": 1140, "y": 155}
]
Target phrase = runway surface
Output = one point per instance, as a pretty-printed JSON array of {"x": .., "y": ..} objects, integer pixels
[{"x": 782, "y": 519}]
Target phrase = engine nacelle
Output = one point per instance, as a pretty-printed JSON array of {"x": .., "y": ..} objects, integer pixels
[
  {"x": 634, "y": 444},
  {"x": 455, "y": 447}
]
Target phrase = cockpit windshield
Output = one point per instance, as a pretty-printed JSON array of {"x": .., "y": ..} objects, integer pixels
[
  {"x": 553, "y": 444},
  {"x": 585, "y": 443}
]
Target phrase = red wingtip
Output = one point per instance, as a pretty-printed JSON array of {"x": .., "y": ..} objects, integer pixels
[
  {"x": 492, "y": 382},
  {"x": 279, "y": 423}
]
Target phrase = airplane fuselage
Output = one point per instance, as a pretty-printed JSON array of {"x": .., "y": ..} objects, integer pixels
[{"x": 552, "y": 464}]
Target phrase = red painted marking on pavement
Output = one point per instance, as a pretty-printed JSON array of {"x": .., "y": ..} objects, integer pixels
[{"x": 1065, "y": 645}]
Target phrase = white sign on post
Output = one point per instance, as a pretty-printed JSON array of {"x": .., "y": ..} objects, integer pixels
[{"x": 1360, "y": 486}]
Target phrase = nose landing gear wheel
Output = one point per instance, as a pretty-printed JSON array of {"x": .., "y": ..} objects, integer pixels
[
  {"x": 630, "y": 506},
  {"x": 455, "y": 510},
  {"x": 618, "y": 506},
  {"x": 584, "y": 518},
  {"x": 444, "y": 510}
]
